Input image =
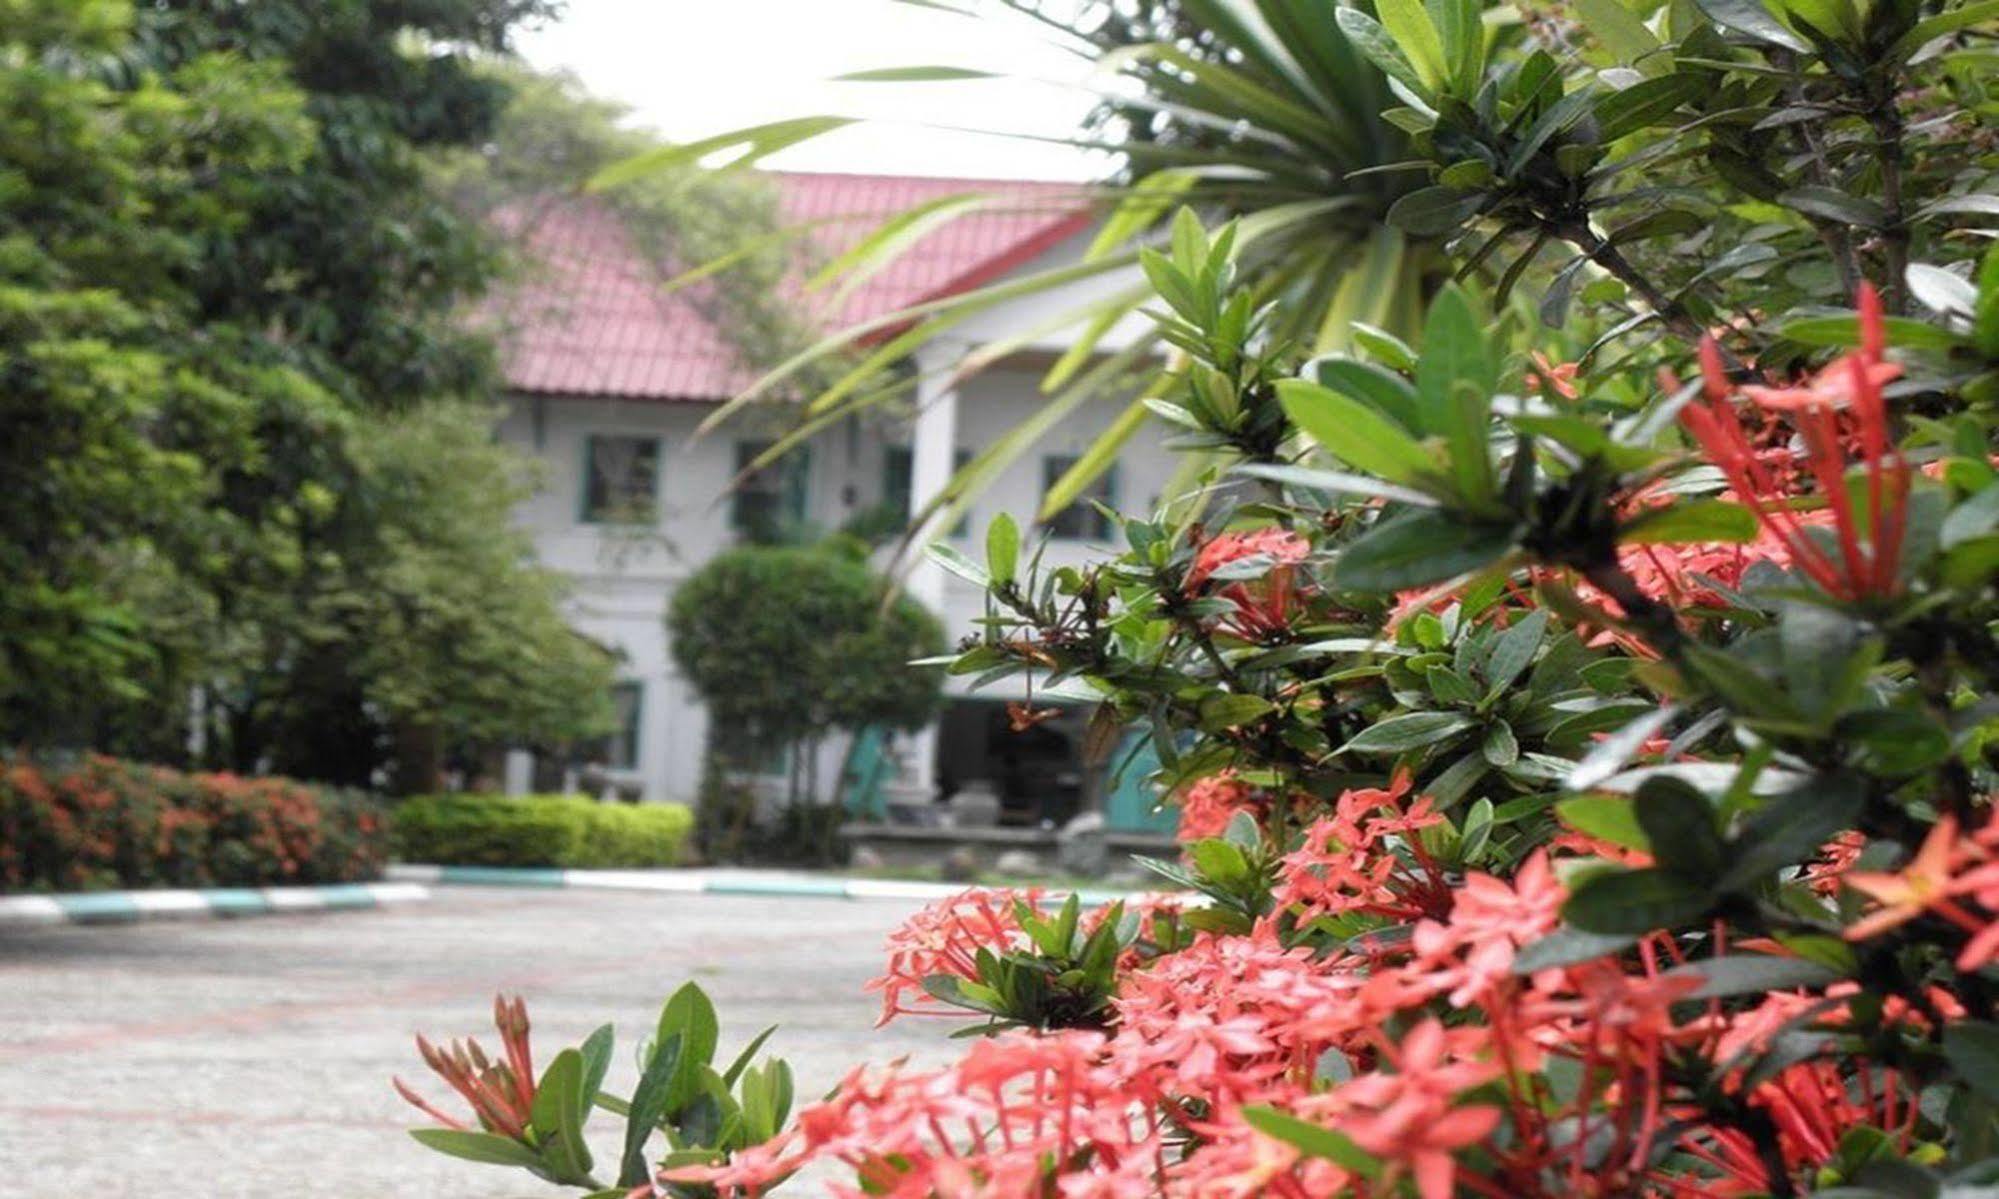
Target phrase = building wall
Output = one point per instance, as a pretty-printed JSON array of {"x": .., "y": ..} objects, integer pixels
[{"x": 625, "y": 577}]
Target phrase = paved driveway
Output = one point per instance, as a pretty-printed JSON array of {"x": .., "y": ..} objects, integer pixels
[{"x": 228, "y": 1059}]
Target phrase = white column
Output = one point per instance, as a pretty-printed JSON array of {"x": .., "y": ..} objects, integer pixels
[
  {"x": 933, "y": 460},
  {"x": 933, "y": 453},
  {"x": 519, "y": 772}
]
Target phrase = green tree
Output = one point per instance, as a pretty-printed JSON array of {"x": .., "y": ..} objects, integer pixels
[
  {"x": 123, "y": 412},
  {"x": 788, "y": 645},
  {"x": 247, "y": 494}
]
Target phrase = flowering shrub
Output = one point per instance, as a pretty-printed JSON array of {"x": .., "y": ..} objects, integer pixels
[
  {"x": 1588, "y": 778},
  {"x": 99, "y": 822}
]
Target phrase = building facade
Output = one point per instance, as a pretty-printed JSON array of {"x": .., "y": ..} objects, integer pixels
[{"x": 609, "y": 381}]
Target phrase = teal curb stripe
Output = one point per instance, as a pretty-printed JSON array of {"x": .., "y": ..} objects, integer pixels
[
  {"x": 235, "y": 901},
  {"x": 347, "y": 895},
  {"x": 503, "y": 876},
  {"x": 125, "y": 907},
  {"x": 91, "y": 909}
]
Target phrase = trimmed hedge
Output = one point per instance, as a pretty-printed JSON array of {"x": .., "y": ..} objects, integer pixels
[
  {"x": 539, "y": 830},
  {"x": 98, "y": 823}
]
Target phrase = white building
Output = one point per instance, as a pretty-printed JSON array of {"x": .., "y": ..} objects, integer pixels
[{"x": 609, "y": 378}]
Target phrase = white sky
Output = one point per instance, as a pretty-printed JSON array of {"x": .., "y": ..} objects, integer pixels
[{"x": 692, "y": 68}]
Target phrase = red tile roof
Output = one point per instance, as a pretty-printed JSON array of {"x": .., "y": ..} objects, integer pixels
[{"x": 589, "y": 318}]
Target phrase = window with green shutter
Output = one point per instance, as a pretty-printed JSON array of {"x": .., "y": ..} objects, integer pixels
[{"x": 1080, "y": 521}]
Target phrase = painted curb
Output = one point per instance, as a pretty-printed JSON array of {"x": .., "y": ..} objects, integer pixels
[
  {"x": 125, "y": 907},
  {"x": 694, "y": 882}
]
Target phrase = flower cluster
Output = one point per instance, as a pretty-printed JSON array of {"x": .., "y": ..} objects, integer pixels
[
  {"x": 1263, "y": 603},
  {"x": 101, "y": 822},
  {"x": 1436, "y": 1056},
  {"x": 1867, "y": 534},
  {"x": 500, "y": 1092}
]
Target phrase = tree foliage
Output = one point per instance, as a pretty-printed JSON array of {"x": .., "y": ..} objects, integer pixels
[
  {"x": 237, "y": 445},
  {"x": 786, "y": 644}
]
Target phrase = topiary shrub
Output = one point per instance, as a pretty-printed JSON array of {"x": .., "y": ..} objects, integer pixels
[
  {"x": 539, "y": 830},
  {"x": 97, "y": 823}
]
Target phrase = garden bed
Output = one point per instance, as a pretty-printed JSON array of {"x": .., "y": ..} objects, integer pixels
[{"x": 97, "y": 823}]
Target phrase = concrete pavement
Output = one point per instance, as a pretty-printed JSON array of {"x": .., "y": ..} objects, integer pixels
[{"x": 232, "y": 1059}]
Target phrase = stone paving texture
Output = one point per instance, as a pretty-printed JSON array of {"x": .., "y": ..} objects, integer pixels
[{"x": 228, "y": 1059}]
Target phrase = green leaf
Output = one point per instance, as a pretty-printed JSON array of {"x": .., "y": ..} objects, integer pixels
[
  {"x": 1750, "y": 17},
  {"x": 1419, "y": 548},
  {"x": 560, "y": 1107},
  {"x": 1753, "y": 974},
  {"x": 1974, "y": 517},
  {"x": 1002, "y": 548},
  {"x": 1843, "y": 329},
  {"x": 1374, "y": 42},
  {"x": 689, "y": 1015},
  {"x": 753, "y": 143},
  {"x": 1225, "y": 710},
  {"x": 1381, "y": 390},
  {"x": 958, "y": 564},
  {"x": 1336, "y": 481},
  {"x": 749, "y": 1051},
  {"x": 1499, "y": 747},
  {"x": 1433, "y": 211},
  {"x": 1514, "y": 651},
  {"x": 648, "y": 1108},
  {"x": 1790, "y": 827},
  {"x": 1679, "y": 823},
  {"x": 1744, "y": 688},
  {"x": 483, "y": 1147},
  {"x": 1636, "y": 901},
  {"x": 1608, "y": 756},
  {"x": 1617, "y": 28},
  {"x": 1383, "y": 345},
  {"x": 1411, "y": 730},
  {"x": 1354, "y": 431},
  {"x": 1833, "y": 205},
  {"x": 596, "y": 1050},
  {"x": 1568, "y": 947},
  {"x": 1409, "y": 24},
  {"x": 1972, "y": 1047},
  {"x": 1219, "y": 861},
  {"x": 1646, "y": 102},
  {"x": 1313, "y": 1139},
  {"x": 1455, "y": 381},
  {"x": 914, "y": 75},
  {"x": 1691, "y": 521},
  {"x": 1922, "y": 33},
  {"x": 1612, "y": 818}
]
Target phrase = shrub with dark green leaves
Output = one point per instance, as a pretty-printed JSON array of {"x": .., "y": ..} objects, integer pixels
[
  {"x": 98, "y": 823},
  {"x": 539, "y": 830}
]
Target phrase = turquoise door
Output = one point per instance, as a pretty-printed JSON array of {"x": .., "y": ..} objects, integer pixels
[
  {"x": 1130, "y": 801},
  {"x": 862, "y": 777}
]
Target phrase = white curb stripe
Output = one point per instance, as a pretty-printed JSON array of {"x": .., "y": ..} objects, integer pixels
[
  {"x": 161, "y": 904},
  {"x": 30, "y": 909}
]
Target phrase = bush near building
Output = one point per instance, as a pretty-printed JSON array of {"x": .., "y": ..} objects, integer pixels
[
  {"x": 539, "y": 830},
  {"x": 99, "y": 823}
]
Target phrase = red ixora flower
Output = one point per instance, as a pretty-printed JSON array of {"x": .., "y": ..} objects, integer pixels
[
  {"x": 1262, "y": 606},
  {"x": 501, "y": 1092},
  {"x": 1867, "y": 560},
  {"x": 945, "y": 938}
]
